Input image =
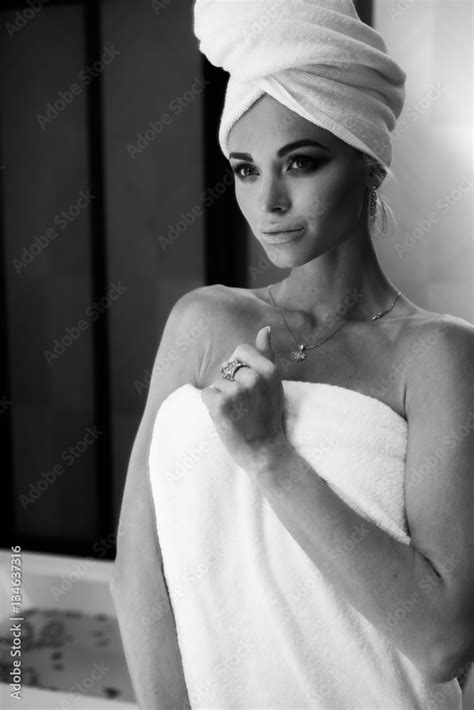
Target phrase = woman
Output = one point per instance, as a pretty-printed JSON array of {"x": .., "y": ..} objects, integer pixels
[{"x": 393, "y": 579}]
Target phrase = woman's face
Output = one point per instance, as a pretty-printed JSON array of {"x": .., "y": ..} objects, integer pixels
[{"x": 311, "y": 194}]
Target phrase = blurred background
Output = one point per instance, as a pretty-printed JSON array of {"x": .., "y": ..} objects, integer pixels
[{"x": 115, "y": 200}]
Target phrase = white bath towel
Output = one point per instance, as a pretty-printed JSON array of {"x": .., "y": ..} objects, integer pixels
[
  {"x": 258, "y": 624},
  {"x": 316, "y": 57}
]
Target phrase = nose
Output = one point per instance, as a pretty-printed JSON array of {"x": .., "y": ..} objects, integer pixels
[{"x": 272, "y": 196}]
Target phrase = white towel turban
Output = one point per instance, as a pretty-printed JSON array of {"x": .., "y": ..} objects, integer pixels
[{"x": 316, "y": 57}]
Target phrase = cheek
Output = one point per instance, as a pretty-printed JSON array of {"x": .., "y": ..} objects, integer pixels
[
  {"x": 246, "y": 203},
  {"x": 330, "y": 201}
]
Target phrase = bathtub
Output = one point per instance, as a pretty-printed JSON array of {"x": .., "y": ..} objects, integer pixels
[
  {"x": 59, "y": 582},
  {"x": 76, "y": 590}
]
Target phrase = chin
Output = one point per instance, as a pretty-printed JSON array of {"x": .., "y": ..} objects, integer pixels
[
  {"x": 292, "y": 255},
  {"x": 286, "y": 258}
]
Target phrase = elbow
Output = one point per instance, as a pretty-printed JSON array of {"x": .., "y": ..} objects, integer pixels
[
  {"x": 446, "y": 661},
  {"x": 116, "y": 581},
  {"x": 120, "y": 593},
  {"x": 121, "y": 567},
  {"x": 448, "y": 650}
]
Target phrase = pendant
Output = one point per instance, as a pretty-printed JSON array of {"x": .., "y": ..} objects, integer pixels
[{"x": 298, "y": 354}]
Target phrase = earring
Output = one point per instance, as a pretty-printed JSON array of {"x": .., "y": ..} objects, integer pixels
[{"x": 372, "y": 204}]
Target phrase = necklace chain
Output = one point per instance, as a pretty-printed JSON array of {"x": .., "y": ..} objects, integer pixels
[{"x": 300, "y": 354}]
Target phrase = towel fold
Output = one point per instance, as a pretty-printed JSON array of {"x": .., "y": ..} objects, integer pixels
[
  {"x": 258, "y": 624},
  {"x": 316, "y": 57}
]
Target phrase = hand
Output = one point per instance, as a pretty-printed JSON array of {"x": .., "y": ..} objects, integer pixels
[{"x": 248, "y": 412}]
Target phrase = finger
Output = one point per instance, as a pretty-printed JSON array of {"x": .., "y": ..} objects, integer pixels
[
  {"x": 263, "y": 343},
  {"x": 225, "y": 386},
  {"x": 221, "y": 386},
  {"x": 255, "y": 359},
  {"x": 246, "y": 377}
]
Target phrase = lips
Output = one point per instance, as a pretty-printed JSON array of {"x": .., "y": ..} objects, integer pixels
[
  {"x": 281, "y": 231},
  {"x": 283, "y": 237}
]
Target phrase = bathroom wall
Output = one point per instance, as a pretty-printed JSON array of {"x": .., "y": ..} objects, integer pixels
[
  {"x": 152, "y": 156},
  {"x": 47, "y": 274},
  {"x": 430, "y": 256},
  {"x": 153, "y": 148}
]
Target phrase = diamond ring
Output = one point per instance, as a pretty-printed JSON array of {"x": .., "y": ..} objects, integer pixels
[{"x": 230, "y": 367}]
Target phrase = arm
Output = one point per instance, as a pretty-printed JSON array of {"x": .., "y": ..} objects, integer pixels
[
  {"x": 138, "y": 587},
  {"x": 432, "y": 579}
]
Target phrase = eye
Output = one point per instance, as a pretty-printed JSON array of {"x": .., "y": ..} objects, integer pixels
[
  {"x": 303, "y": 158},
  {"x": 310, "y": 163},
  {"x": 241, "y": 166}
]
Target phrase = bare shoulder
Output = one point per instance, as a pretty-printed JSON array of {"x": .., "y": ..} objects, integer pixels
[
  {"x": 200, "y": 308},
  {"x": 209, "y": 304},
  {"x": 195, "y": 301},
  {"x": 201, "y": 323},
  {"x": 439, "y": 350},
  {"x": 220, "y": 316},
  {"x": 209, "y": 294},
  {"x": 425, "y": 330},
  {"x": 216, "y": 301}
]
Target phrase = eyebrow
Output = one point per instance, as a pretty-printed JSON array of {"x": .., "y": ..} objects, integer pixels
[{"x": 283, "y": 151}]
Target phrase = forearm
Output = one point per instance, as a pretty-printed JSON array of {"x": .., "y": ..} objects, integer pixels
[
  {"x": 389, "y": 582},
  {"x": 151, "y": 648}
]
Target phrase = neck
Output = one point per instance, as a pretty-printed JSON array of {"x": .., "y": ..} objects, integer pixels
[{"x": 347, "y": 281}]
